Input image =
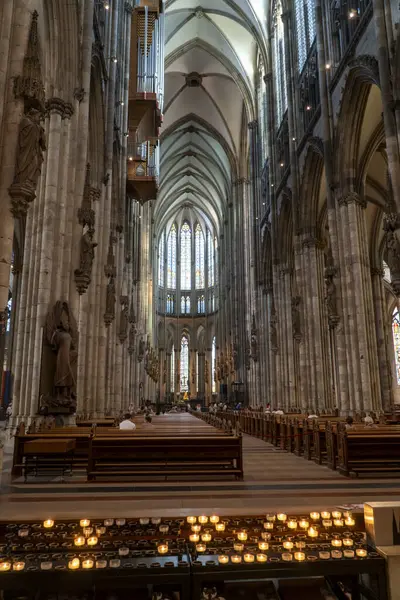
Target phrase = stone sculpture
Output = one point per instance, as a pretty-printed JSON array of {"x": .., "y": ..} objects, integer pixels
[
  {"x": 30, "y": 148},
  {"x": 109, "y": 315},
  {"x": 273, "y": 331},
  {"x": 124, "y": 319},
  {"x": 296, "y": 320},
  {"x": 83, "y": 275},
  {"x": 253, "y": 340}
]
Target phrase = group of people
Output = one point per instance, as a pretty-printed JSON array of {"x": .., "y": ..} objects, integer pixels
[{"x": 128, "y": 423}]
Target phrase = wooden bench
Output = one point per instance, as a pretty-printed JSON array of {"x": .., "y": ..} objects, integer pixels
[
  {"x": 46, "y": 454},
  {"x": 364, "y": 449},
  {"x": 131, "y": 456}
]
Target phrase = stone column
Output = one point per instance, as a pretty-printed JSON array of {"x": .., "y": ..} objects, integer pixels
[
  {"x": 201, "y": 367},
  {"x": 383, "y": 335}
]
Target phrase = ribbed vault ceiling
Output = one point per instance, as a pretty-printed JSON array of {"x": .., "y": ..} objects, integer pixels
[{"x": 209, "y": 94}]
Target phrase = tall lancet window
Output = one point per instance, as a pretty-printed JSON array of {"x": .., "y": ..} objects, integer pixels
[
  {"x": 186, "y": 261},
  {"x": 261, "y": 109},
  {"x": 279, "y": 64},
  {"x": 171, "y": 258},
  {"x": 305, "y": 29},
  {"x": 161, "y": 259},
  {"x": 396, "y": 342},
  {"x": 211, "y": 259},
  {"x": 172, "y": 369},
  {"x": 214, "y": 365},
  {"x": 199, "y": 251},
  {"x": 184, "y": 364}
]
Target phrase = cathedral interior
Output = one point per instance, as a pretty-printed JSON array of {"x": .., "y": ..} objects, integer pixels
[{"x": 199, "y": 299}]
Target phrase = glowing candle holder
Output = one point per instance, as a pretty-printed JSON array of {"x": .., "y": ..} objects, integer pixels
[
  {"x": 248, "y": 558},
  {"x": 271, "y": 517},
  {"x": 123, "y": 551},
  {"x": 201, "y": 547},
  {"x": 312, "y": 532},
  {"x": 324, "y": 555},
  {"x": 266, "y": 535},
  {"x": 196, "y": 528},
  {"x": 236, "y": 558},
  {"x": 262, "y": 558},
  {"x": 288, "y": 545},
  {"x": 292, "y": 524},
  {"x": 162, "y": 549},
  {"x": 46, "y": 565},
  {"x": 144, "y": 521},
  {"x": 300, "y": 544},
  {"x": 194, "y": 537},
  {"x": 325, "y": 515},
  {"x": 23, "y": 532},
  {"x": 242, "y": 536},
  {"x": 87, "y": 531},
  {"x": 263, "y": 545},
  {"x": 238, "y": 547},
  {"x": 223, "y": 559},
  {"x": 336, "y": 514},
  {"x": 206, "y": 537},
  {"x": 287, "y": 556},
  {"x": 164, "y": 528},
  {"x": 314, "y": 516},
  {"x": 336, "y": 543},
  {"x": 87, "y": 564},
  {"x": 121, "y": 522},
  {"x": 203, "y": 519},
  {"x": 220, "y": 527},
  {"x": 191, "y": 520},
  {"x": 84, "y": 522},
  {"x": 101, "y": 530},
  {"x": 269, "y": 525},
  {"x": 108, "y": 522},
  {"x": 347, "y": 542},
  {"x": 348, "y": 553},
  {"x": 92, "y": 541},
  {"x": 19, "y": 566},
  {"x": 304, "y": 524},
  {"x": 299, "y": 556},
  {"x": 361, "y": 552},
  {"x": 5, "y": 565},
  {"x": 336, "y": 554},
  {"x": 115, "y": 563},
  {"x": 74, "y": 564},
  {"x": 281, "y": 517},
  {"x": 214, "y": 519},
  {"x": 338, "y": 522},
  {"x": 327, "y": 523},
  {"x": 350, "y": 522},
  {"x": 48, "y": 524},
  {"x": 79, "y": 541},
  {"x": 101, "y": 564}
]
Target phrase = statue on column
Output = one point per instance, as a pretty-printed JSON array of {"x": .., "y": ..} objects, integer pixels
[
  {"x": 142, "y": 349},
  {"x": 235, "y": 356},
  {"x": 253, "y": 340},
  {"x": 83, "y": 275},
  {"x": 109, "y": 315},
  {"x": 296, "y": 319},
  {"x": 62, "y": 336},
  {"x": 30, "y": 148},
  {"x": 273, "y": 331}
]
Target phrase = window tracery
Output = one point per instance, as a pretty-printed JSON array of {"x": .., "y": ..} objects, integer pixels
[
  {"x": 184, "y": 370},
  {"x": 186, "y": 250},
  {"x": 161, "y": 258},
  {"x": 396, "y": 342},
  {"x": 199, "y": 252},
  {"x": 171, "y": 258},
  {"x": 279, "y": 63}
]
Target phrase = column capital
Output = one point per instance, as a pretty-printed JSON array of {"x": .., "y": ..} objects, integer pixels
[
  {"x": 60, "y": 107},
  {"x": 268, "y": 78},
  {"x": 241, "y": 181},
  {"x": 352, "y": 198},
  {"x": 377, "y": 271},
  {"x": 253, "y": 125},
  {"x": 285, "y": 16}
]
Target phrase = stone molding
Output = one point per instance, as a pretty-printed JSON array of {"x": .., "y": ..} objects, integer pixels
[
  {"x": 58, "y": 106},
  {"x": 352, "y": 198}
]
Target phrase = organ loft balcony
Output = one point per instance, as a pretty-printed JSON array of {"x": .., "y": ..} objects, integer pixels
[
  {"x": 142, "y": 170},
  {"x": 146, "y": 82}
]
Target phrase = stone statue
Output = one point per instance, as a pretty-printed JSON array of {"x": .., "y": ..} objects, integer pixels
[
  {"x": 296, "y": 323},
  {"x": 124, "y": 319},
  {"x": 330, "y": 298},
  {"x": 142, "y": 348},
  {"x": 83, "y": 275},
  {"x": 62, "y": 336},
  {"x": 109, "y": 315},
  {"x": 253, "y": 340},
  {"x": 30, "y": 148},
  {"x": 235, "y": 356},
  {"x": 273, "y": 331}
]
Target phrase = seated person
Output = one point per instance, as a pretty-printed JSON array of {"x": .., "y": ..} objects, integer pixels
[
  {"x": 349, "y": 422},
  {"x": 148, "y": 422},
  {"x": 127, "y": 423},
  {"x": 368, "y": 420}
]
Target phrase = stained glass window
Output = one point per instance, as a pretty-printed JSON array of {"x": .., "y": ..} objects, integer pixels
[
  {"x": 186, "y": 259},
  {"x": 197, "y": 371},
  {"x": 170, "y": 304},
  {"x": 199, "y": 251},
  {"x": 279, "y": 63},
  {"x": 305, "y": 29},
  {"x": 211, "y": 262},
  {"x": 386, "y": 273},
  {"x": 185, "y": 305},
  {"x": 161, "y": 258},
  {"x": 396, "y": 342},
  {"x": 213, "y": 365},
  {"x": 201, "y": 307},
  {"x": 262, "y": 121},
  {"x": 171, "y": 259},
  {"x": 184, "y": 364},
  {"x": 172, "y": 369}
]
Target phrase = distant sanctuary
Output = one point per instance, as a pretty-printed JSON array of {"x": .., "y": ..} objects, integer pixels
[{"x": 200, "y": 202}]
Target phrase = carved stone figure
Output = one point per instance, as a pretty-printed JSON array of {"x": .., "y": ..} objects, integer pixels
[
  {"x": 62, "y": 336},
  {"x": 109, "y": 315},
  {"x": 247, "y": 353},
  {"x": 273, "y": 331},
  {"x": 330, "y": 298},
  {"x": 296, "y": 320},
  {"x": 30, "y": 148},
  {"x": 83, "y": 275},
  {"x": 253, "y": 340},
  {"x": 124, "y": 319},
  {"x": 235, "y": 356},
  {"x": 142, "y": 348}
]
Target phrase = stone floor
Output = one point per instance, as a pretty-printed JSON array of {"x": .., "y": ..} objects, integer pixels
[{"x": 273, "y": 480}]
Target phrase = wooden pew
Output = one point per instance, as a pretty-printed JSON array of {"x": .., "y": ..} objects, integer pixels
[
  {"x": 320, "y": 447},
  {"x": 128, "y": 456}
]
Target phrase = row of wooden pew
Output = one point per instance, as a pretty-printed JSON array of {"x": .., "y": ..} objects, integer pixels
[
  {"x": 325, "y": 440},
  {"x": 173, "y": 446}
]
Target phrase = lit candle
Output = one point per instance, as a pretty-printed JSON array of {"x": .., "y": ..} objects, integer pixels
[
  {"x": 206, "y": 537},
  {"x": 281, "y": 517},
  {"x": 304, "y": 524},
  {"x": 5, "y": 565},
  {"x": 236, "y": 558},
  {"x": 101, "y": 564},
  {"x": 314, "y": 516},
  {"x": 79, "y": 541},
  {"x": 300, "y": 544},
  {"x": 361, "y": 552},
  {"x": 326, "y": 515},
  {"x": 336, "y": 514},
  {"x": 220, "y": 527},
  {"x": 108, "y": 522},
  {"x": 270, "y": 517},
  {"x": 337, "y": 554},
  {"x": 87, "y": 564},
  {"x": 347, "y": 542},
  {"x": 87, "y": 531},
  {"x": 84, "y": 522},
  {"x": 287, "y": 556},
  {"x": 48, "y": 523},
  {"x": 312, "y": 532},
  {"x": 350, "y": 522},
  {"x": 268, "y": 525},
  {"x": 292, "y": 524},
  {"x": 327, "y": 523},
  {"x": 74, "y": 564},
  {"x": 263, "y": 545},
  {"x": 100, "y": 530},
  {"x": 19, "y": 566},
  {"x": 194, "y": 537},
  {"x": 348, "y": 553},
  {"x": 214, "y": 519},
  {"x": 288, "y": 545},
  {"x": 164, "y": 528},
  {"x": 196, "y": 528},
  {"x": 121, "y": 522},
  {"x": 249, "y": 558},
  {"x": 338, "y": 522},
  {"x": 46, "y": 565},
  {"x": 266, "y": 535},
  {"x": 238, "y": 547},
  {"x": 242, "y": 536},
  {"x": 123, "y": 551},
  {"x": 203, "y": 519},
  {"x": 324, "y": 555},
  {"x": 300, "y": 556},
  {"x": 115, "y": 563},
  {"x": 201, "y": 547},
  {"x": 162, "y": 548},
  {"x": 92, "y": 541},
  {"x": 223, "y": 559},
  {"x": 191, "y": 520},
  {"x": 336, "y": 543},
  {"x": 262, "y": 558},
  {"x": 144, "y": 521}
]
